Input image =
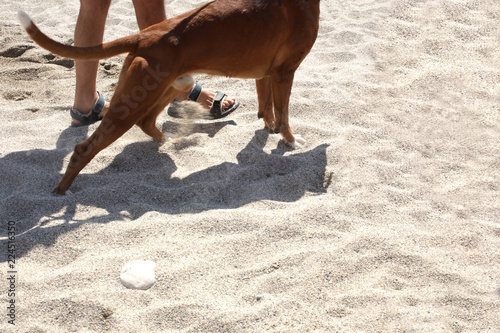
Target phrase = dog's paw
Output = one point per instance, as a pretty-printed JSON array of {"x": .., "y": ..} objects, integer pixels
[
  {"x": 299, "y": 139},
  {"x": 57, "y": 191},
  {"x": 297, "y": 144}
]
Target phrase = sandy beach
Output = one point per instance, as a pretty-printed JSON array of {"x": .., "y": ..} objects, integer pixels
[{"x": 387, "y": 220}]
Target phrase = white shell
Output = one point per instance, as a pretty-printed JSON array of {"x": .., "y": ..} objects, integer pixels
[{"x": 138, "y": 274}]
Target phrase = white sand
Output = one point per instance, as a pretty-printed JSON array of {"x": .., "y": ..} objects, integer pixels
[{"x": 386, "y": 221}]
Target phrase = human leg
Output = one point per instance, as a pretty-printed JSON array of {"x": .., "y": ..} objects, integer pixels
[
  {"x": 149, "y": 12},
  {"x": 89, "y": 31}
]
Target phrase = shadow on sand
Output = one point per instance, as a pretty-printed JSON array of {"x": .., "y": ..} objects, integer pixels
[{"x": 139, "y": 180}]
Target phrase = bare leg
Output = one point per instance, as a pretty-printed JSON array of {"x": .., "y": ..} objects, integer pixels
[
  {"x": 149, "y": 12},
  {"x": 89, "y": 31}
]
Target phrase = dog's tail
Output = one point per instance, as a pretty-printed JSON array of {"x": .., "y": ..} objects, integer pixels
[{"x": 106, "y": 50}]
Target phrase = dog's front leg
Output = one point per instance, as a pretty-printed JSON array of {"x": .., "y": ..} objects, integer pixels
[
  {"x": 281, "y": 88},
  {"x": 265, "y": 96}
]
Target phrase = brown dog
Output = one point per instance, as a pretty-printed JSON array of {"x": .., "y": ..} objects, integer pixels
[{"x": 261, "y": 39}]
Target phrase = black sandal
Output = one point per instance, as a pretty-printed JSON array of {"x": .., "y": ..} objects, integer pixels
[
  {"x": 86, "y": 119},
  {"x": 216, "y": 111}
]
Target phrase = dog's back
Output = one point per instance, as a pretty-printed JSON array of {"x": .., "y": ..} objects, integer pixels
[{"x": 281, "y": 33}]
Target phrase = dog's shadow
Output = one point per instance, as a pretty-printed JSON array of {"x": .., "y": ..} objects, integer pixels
[{"x": 140, "y": 180}]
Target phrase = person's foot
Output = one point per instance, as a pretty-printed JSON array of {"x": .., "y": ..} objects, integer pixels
[
  {"x": 96, "y": 105},
  {"x": 206, "y": 99},
  {"x": 218, "y": 105}
]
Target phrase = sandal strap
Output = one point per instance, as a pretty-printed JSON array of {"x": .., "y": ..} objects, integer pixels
[
  {"x": 216, "y": 108},
  {"x": 92, "y": 116},
  {"x": 99, "y": 104},
  {"x": 195, "y": 93}
]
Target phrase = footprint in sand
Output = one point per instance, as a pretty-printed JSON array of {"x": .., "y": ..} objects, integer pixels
[
  {"x": 349, "y": 38},
  {"x": 56, "y": 60},
  {"x": 15, "y": 51},
  {"x": 17, "y": 95}
]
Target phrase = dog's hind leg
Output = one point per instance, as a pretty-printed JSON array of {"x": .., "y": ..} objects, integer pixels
[
  {"x": 148, "y": 123},
  {"x": 265, "y": 96},
  {"x": 107, "y": 132},
  {"x": 281, "y": 88},
  {"x": 129, "y": 104}
]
